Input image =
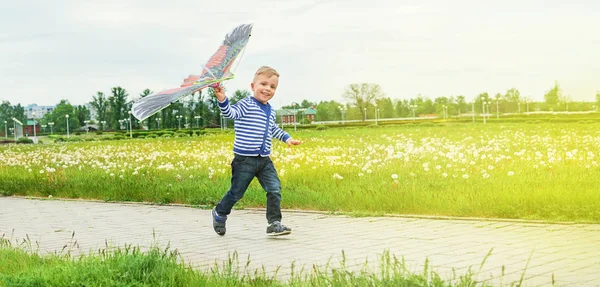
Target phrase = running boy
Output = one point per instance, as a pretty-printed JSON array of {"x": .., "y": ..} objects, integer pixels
[{"x": 254, "y": 127}]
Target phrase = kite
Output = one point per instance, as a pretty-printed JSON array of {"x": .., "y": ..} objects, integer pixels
[{"x": 215, "y": 71}]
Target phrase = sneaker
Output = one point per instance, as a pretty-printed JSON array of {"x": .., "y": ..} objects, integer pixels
[
  {"x": 276, "y": 228},
  {"x": 218, "y": 222}
]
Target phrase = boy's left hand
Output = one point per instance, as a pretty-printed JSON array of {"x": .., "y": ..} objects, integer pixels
[{"x": 292, "y": 141}]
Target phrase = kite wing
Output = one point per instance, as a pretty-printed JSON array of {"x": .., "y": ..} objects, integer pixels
[{"x": 216, "y": 70}]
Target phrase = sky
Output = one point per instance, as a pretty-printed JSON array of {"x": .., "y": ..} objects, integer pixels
[{"x": 71, "y": 49}]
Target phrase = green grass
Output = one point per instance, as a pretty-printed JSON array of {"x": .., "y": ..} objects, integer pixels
[
  {"x": 535, "y": 171},
  {"x": 130, "y": 266}
]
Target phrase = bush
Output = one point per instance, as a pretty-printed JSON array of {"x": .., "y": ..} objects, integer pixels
[
  {"x": 99, "y": 133},
  {"x": 151, "y": 136},
  {"x": 24, "y": 140},
  {"x": 322, "y": 128},
  {"x": 77, "y": 133},
  {"x": 74, "y": 139},
  {"x": 199, "y": 133}
]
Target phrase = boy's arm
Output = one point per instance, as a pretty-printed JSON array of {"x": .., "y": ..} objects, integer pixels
[
  {"x": 231, "y": 112},
  {"x": 281, "y": 135}
]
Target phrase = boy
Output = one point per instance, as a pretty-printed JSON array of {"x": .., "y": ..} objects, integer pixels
[{"x": 254, "y": 128}]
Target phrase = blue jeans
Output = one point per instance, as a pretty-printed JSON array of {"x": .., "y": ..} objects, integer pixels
[{"x": 243, "y": 171}]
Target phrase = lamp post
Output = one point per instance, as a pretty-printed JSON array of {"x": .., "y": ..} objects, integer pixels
[
  {"x": 158, "y": 123},
  {"x": 365, "y": 113},
  {"x": 178, "y": 121},
  {"x": 485, "y": 113},
  {"x": 497, "y": 108},
  {"x": 519, "y": 106},
  {"x": 130, "y": 126},
  {"x": 473, "y": 111},
  {"x": 527, "y": 103},
  {"x": 376, "y": 109},
  {"x": 444, "y": 109},
  {"x": 87, "y": 129},
  {"x": 343, "y": 110},
  {"x": 51, "y": 124},
  {"x": 5, "y": 130},
  {"x": 197, "y": 119},
  {"x": 67, "y": 116},
  {"x": 413, "y": 107},
  {"x": 102, "y": 122},
  {"x": 33, "y": 124}
]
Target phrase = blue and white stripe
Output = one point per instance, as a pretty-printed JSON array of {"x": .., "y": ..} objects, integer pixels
[{"x": 253, "y": 129}]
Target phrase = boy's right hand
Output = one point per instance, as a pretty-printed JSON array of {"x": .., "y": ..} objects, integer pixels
[{"x": 219, "y": 92}]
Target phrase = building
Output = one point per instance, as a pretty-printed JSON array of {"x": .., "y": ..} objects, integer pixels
[
  {"x": 290, "y": 116},
  {"x": 28, "y": 129},
  {"x": 38, "y": 112}
]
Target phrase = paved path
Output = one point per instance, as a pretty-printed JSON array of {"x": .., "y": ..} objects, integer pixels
[{"x": 570, "y": 253}]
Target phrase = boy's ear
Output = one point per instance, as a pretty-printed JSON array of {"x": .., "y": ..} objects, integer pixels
[{"x": 252, "y": 86}]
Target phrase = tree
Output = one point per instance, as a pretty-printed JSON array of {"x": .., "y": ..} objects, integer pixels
[
  {"x": 439, "y": 104},
  {"x": 513, "y": 95},
  {"x": 513, "y": 98},
  {"x": 403, "y": 109},
  {"x": 362, "y": 95},
  {"x": 306, "y": 104},
  {"x": 19, "y": 113},
  {"x": 82, "y": 114},
  {"x": 552, "y": 96},
  {"x": 59, "y": 117},
  {"x": 6, "y": 112},
  {"x": 329, "y": 111},
  {"x": 461, "y": 104},
  {"x": 239, "y": 95},
  {"x": 386, "y": 108},
  {"x": 117, "y": 106},
  {"x": 483, "y": 97},
  {"x": 100, "y": 104},
  {"x": 214, "y": 112}
]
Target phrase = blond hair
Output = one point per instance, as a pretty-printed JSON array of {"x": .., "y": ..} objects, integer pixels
[{"x": 267, "y": 71}]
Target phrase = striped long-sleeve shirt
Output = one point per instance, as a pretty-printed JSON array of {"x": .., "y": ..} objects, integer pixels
[{"x": 254, "y": 125}]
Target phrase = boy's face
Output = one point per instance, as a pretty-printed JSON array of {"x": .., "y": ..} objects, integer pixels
[{"x": 264, "y": 87}]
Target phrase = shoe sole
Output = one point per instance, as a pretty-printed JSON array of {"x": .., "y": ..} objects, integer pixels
[
  {"x": 279, "y": 234},
  {"x": 220, "y": 230}
]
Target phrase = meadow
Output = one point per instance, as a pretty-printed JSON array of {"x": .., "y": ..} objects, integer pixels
[{"x": 540, "y": 171}]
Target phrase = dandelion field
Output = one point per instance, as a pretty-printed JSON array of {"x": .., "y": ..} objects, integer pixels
[{"x": 516, "y": 170}]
